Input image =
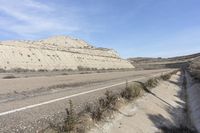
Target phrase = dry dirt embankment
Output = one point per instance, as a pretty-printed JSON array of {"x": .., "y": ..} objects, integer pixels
[
  {"x": 193, "y": 92},
  {"x": 165, "y": 111}
]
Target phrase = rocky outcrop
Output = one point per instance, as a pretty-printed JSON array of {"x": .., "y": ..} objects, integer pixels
[{"x": 59, "y": 52}]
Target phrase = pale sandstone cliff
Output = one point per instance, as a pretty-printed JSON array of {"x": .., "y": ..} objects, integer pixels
[{"x": 58, "y": 52}]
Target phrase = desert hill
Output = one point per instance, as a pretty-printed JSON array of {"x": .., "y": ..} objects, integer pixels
[{"x": 58, "y": 52}]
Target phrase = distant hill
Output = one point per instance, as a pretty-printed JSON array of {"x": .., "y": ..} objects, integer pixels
[{"x": 157, "y": 63}]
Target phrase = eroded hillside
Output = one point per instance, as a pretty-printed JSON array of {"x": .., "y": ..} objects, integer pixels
[{"x": 60, "y": 52}]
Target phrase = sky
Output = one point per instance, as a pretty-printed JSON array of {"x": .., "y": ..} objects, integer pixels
[{"x": 134, "y": 28}]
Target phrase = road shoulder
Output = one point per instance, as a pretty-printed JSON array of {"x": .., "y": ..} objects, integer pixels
[{"x": 165, "y": 109}]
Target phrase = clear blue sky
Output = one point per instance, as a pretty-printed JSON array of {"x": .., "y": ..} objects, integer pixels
[{"x": 156, "y": 28}]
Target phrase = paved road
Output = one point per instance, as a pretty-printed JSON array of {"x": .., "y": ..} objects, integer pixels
[{"x": 29, "y": 104}]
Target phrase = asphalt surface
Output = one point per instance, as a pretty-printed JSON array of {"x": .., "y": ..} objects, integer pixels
[{"x": 30, "y": 104}]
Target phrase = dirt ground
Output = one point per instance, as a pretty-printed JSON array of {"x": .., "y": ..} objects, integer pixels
[{"x": 151, "y": 113}]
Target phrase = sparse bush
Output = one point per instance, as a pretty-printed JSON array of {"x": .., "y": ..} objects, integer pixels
[
  {"x": 94, "y": 69},
  {"x": 105, "y": 104},
  {"x": 81, "y": 68},
  {"x": 69, "y": 69},
  {"x": 109, "y": 101},
  {"x": 84, "y": 72},
  {"x": 131, "y": 91},
  {"x": 2, "y": 70},
  {"x": 165, "y": 77},
  {"x": 151, "y": 83},
  {"x": 42, "y": 70},
  {"x": 64, "y": 74},
  {"x": 57, "y": 86},
  {"x": 55, "y": 70},
  {"x": 88, "y": 108},
  {"x": 168, "y": 75},
  {"x": 71, "y": 119},
  {"x": 9, "y": 77},
  {"x": 21, "y": 70},
  {"x": 97, "y": 114}
]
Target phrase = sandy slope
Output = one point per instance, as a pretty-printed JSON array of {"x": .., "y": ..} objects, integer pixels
[
  {"x": 58, "y": 52},
  {"x": 149, "y": 113}
]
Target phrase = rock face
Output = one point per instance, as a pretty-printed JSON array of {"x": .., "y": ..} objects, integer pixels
[{"x": 59, "y": 52}]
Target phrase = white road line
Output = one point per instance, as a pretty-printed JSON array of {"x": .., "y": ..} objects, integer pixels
[{"x": 63, "y": 98}]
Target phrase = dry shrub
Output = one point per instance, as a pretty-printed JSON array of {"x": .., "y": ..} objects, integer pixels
[
  {"x": 85, "y": 122},
  {"x": 165, "y": 77},
  {"x": 105, "y": 105},
  {"x": 168, "y": 75},
  {"x": 71, "y": 118},
  {"x": 2, "y": 70},
  {"x": 42, "y": 70},
  {"x": 109, "y": 101},
  {"x": 131, "y": 91},
  {"x": 9, "y": 77},
  {"x": 97, "y": 113},
  {"x": 151, "y": 83}
]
